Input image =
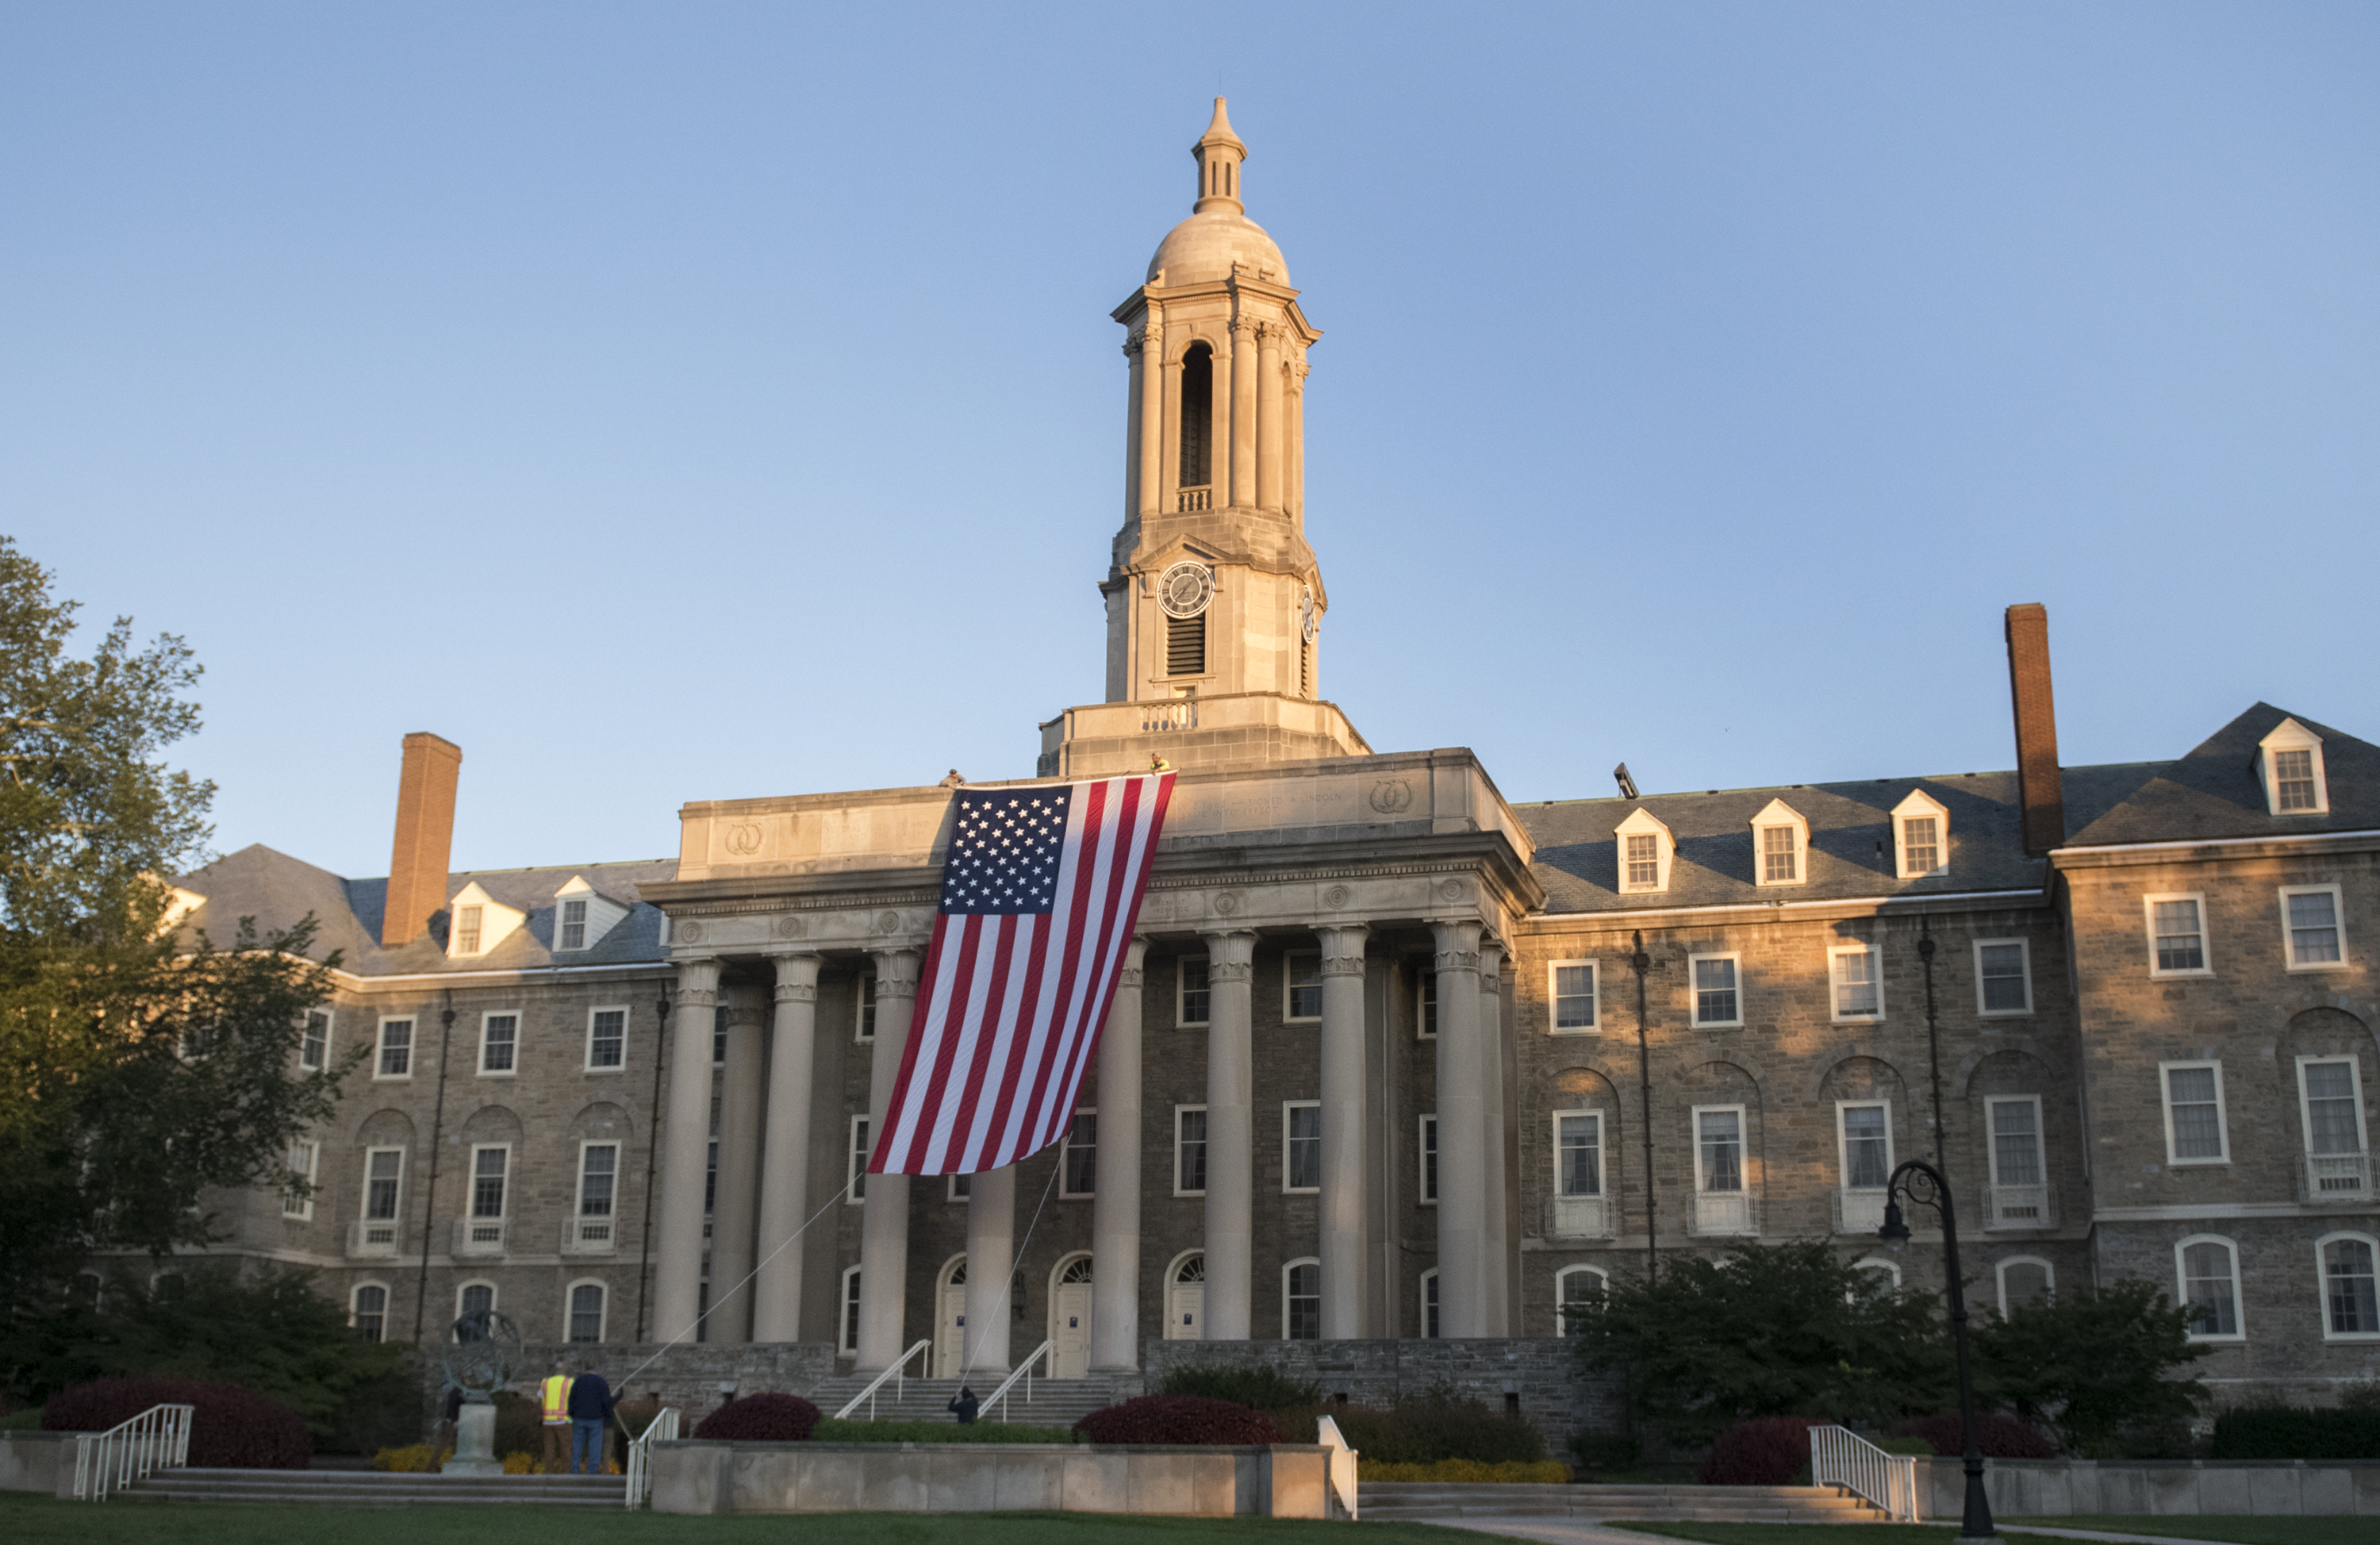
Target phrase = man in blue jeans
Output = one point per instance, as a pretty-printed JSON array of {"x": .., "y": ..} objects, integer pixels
[{"x": 590, "y": 1410}]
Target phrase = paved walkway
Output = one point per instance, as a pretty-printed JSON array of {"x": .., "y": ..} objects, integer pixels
[{"x": 1582, "y": 1531}]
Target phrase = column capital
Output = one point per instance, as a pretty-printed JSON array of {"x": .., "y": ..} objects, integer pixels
[
  {"x": 896, "y": 971},
  {"x": 744, "y": 1004},
  {"x": 1231, "y": 954},
  {"x": 1133, "y": 954},
  {"x": 798, "y": 975},
  {"x": 698, "y": 981},
  {"x": 1342, "y": 948},
  {"x": 1491, "y": 966},
  {"x": 1458, "y": 944}
]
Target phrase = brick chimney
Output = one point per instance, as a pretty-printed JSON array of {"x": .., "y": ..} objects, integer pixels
[
  {"x": 2038, "y": 788},
  {"x": 425, "y": 837}
]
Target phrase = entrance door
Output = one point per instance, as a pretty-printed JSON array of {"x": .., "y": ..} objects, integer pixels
[
  {"x": 949, "y": 1324},
  {"x": 1185, "y": 1301},
  {"x": 1070, "y": 1320}
]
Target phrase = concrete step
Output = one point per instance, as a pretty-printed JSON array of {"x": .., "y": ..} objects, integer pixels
[
  {"x": 1055, "y": 1402},
  {"x": 374, "y": 1487}
]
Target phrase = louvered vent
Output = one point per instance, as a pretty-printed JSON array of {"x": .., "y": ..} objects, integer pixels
[{"x": 1186, "y": 645}]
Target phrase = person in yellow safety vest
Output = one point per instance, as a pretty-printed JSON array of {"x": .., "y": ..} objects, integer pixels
[{"x": 553, "y": 1403}]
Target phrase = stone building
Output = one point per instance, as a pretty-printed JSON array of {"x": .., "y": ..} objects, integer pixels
[{"x": 1394, "y": 1060}]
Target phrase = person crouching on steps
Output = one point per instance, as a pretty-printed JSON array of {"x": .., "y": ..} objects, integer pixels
[
  {"x": 965, "y": 1406},
  {"x": 553, "y": 1410},
  {"x": 590, "y": 1411}
]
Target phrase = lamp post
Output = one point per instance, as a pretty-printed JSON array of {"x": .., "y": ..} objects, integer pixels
[{"x": 1924, "y": 1185}]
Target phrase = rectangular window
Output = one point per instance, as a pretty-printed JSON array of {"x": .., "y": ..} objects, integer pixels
[
  {"x": 1426, "y": 1008},
  {"x": 850, "y": 1318},
  {"x": 574, "y": 925},
  {"x": 598, "y": 1163},
  {"x": 1302, "y": 985},
  {"x": 2310, "y": 913},
  {"x": 1302, "y": 1302},
  {"x": 1301, "y": 1144},
  {"x": 607, "y": 1038},
  {"x": 2177, "y": 936},
  {"x": 487, "y": 1166},
  {"x": 1573, "y": 995},
  {"x": 1190, "y": 996},
  {"x": 1921, "y": 843},
  {"x": 1779, "y": 854},
  {"x": 466, "y": 929},
  {"x": 1190, "y": 1150},
  {"x": 370, "y": 1311},
  {"x": 298, "y": 1195},
  {"x": 1429, "y": 1161},
  {"x": 314, "y": 1049},
  {"x": 2195, "y": 1128},
  {"x": 1858, "y": 983},
  {"x": 2293, "y": 781},
  {"x": 710, "y": 1185},
  {"x": 1868, "y": 1146},
  {"x": 2003, "y": 977},
  {"x": 1643, "y": 861},
  {"x": 383, "y": 1179},
  {"x": 1079, "y": 1163},
  {"x": 2016, "y": 1140},
  {"x": 2210, "y": 1289},
  {"x": 865, "y": 1027},
  {"x": 1578, "y": 1153},
  {"x": 1718, "y": 1151},
  {"x": 719, "y": 1036},
  {"x": 962, "y": 1187},
  {"x": 857, "y": 1177},
  {"x": 499, "y": 1042},
  {"x": 395, "y": 1049},
  {"x": 2334, "y": 1114},
  {"x": 1715, "y": 999}
]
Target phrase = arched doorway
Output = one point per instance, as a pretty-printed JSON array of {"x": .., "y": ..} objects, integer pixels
[
  {"x": 950, "y": 1320},
  {"x": 1185, "y": 1297},
  {"x": 1070, "y": 1317}
]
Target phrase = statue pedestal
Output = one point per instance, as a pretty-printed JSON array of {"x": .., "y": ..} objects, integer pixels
[{"x": 475, "y": 1442}]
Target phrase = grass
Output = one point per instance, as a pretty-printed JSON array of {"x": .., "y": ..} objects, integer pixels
[
  {"x": 2239, "y": 1531},
  {"x": 27, "y": 1518}
]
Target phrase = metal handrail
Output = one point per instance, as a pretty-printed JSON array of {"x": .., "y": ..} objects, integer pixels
[
  {"x": 663, "y": 1428},
  {"x": 158, "y": 1439},
  {"x": 895, "y": 1373},
  {"x": 1341, "y": 1465},
  {"x": 1024, "y": 1370},
  {"x": 1840, "y": 1457}
]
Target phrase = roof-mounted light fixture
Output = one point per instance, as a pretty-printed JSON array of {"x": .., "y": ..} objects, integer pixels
[{"x": 1627, "y": 784}]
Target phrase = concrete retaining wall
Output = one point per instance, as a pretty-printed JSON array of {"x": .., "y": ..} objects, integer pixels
[
  {"x": 687, "y": 1376},
  {"x": 1287, "y": 1480},
  {"x": 1540, "y": 1373},
  {"x": 2042, "y": 1487},
  {"x": 37, "y": 1462}
]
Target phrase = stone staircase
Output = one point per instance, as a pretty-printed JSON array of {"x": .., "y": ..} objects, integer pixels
[
  {"x": 372, "y": 1487},
  {"x": 1055, "y": 1402},
  {"x": 1385, "y": 1502}
]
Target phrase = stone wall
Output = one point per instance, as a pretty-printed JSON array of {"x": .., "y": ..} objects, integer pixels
[
  {"x": 687, "y": 1376},
  {"x": 2047, "y": 1488}
]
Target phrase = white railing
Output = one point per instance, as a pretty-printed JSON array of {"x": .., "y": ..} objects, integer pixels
[
  {"x": 479, "y": 1236},
  {"x": 661, "y": 1429},
  {"x": 1180, "y": 713},
  {"x": 1723, "y": 1213},
  {"x": 589, "y": 1237},
  {"x": 1859, "y": 1209},
  {"x": 1841, "y": 1457},
  {"x": 1023, "y": 1371},
  {"x": 1341, "y": 1466},
  {"x": 898, "y": 1373},
  {"x": 1578, "y": 1218},
  {"x": 2336, "y": 1177},
  {"x": 158, "y": 1439},
  {"x": 2019, "y": 1206},
  {"x": 373, "y": 1236},
  {"x": 1190, "y": 499}
]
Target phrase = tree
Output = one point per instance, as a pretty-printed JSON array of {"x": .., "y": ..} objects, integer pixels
[
  {"x": 138, "y": 1072},
  {"x": 2091, "y": 1365},
  {"x": 1783, "y": 1331}
]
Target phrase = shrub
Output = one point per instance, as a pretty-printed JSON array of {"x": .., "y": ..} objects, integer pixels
[
  {"x": 412, "y": 1459},
  {"x": 232, "y": 1428},
  {"x": 1175, "y": 1418},
  {"x": 1766, "y": 1450},
  {"x": 762, "y": 1418},
  {"x": 1426, "y": 1428},
  {"x": 1258, "y": 1389},
  {"x": 377, "y": 1413},
  {"x": 1470, "y": 1472},
  {"x": 520, "y": 1424},
  {"x": 2001, "y": 1437},
  {"x": 1606, "y": 1451},
  {"x": 27, "y": 1421},
  {"x": 520, "y": 1464},
  {"x": 2099, "y": 1368},
  {"x": 2296, "y": 1433}
]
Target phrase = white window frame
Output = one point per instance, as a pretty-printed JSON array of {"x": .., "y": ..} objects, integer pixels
[
  {"x": 363, "y": 1196},
  {"x": 495, "y": 1295},
  {"x": 1602, "y": 1168},
  {"x": 561, "y": 924},
  {"x": 2305, "y": 1101},
  {"x": 1286, "y": 1268},
  {"x": 1286, "y": 1107},
  {"x": 2291, "y": 735},
  {"x": 2148, "y": 921},
  {"x": 380, "y": 1049},
  {"x": 1181, "y": 1020},
  {"x": 1992, "y": 1140},
  {"x": 2024, "y": 954},
  {"x": 1643, "y": 822},
  {"x": 1694, "y": 996},
  {"x": 2181, "y": 1282},
  {"x": 1920, "y": 806},
  {"x": 1891, "y": 1269},
  {"x": 1743, "y": 1144},
  {"x": 1999, "y": 1277},
  {"x": 1843, "y": 1142},
  {"x": 1554, "y": 996},
  {"x": 1429, "y": 1284},
  {"x": 1287, "y": 997},
  {"x": 863, "y": 1009},
  {"x": 294, "y": 1208},
  {"x": 1774, "y": 815},
  {"x": 1066, "y": 1141},
  {"x": 856, "y": 1154},
  {"x": 2321, "y": 1279},
  {"x": 485, "y": 1021},
  {"x": 1206, "y": 1141},
  {"x": 622, "y": 1065},
  {"x": 1834, "y": 953},
  {"x": 2222, "y": 1113},
  {"x": 387, "y": 1304},
  {"x": 846, "y": 1314},
  {"x": 1426, "y": 1005},
  {"x": 2337, "y": 922},
  {"x": 327, "y": 1017},
  {"x": 1425, "y": 1159},
  {"x": 1560, "y": 1297},
  {"x": 602, "y": 1315},
  {"x": 579, "y": 1213},
  {"x": 471, "y": 1184}
]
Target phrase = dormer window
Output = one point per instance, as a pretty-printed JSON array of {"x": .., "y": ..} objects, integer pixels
[
  {"x": 1920, "y": 836},
  {"x": 1645, "y": 849},
  {"x": 481, "y": 922},
  {"x": 1780, "y": 845},
  {"x": 581, "y": 917},
  {"x": 573, "y": 926},
  {"x": 2290, "y": 762},
  {"x": 466, "y": 929}
]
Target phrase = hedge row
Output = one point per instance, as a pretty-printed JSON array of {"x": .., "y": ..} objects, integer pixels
[
  {"x": 232, "y": 1428},
  {"x": 1169, "y": 1418},
  {"x": 2296, "y": 1433},
  {"x": 2000, "y": 1437},
  {"x": 1468, "y": 1472},
  {"x": 762, "y": 1418}
]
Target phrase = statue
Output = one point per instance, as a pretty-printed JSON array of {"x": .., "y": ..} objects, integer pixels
[{"x": 482, "y": 1351}]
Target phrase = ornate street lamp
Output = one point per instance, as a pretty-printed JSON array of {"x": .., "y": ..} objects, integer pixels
[{"x": 1924, "y": 1185}]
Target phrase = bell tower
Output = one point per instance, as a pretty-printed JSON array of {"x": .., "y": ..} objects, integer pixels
[{"x": 1214, "y": 600}]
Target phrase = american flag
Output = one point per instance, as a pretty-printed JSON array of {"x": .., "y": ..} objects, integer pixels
[{"x": 1041, "y": 892}]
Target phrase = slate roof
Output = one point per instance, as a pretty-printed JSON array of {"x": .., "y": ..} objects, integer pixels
[
  {"x": 277, "y": 890},
  {"x": 2215, "y": 791}
]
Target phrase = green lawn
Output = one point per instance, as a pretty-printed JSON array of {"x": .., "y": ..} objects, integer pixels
[
  {"x": 2240, "y": 1531},
  {"x": 30, "y": 1519}
]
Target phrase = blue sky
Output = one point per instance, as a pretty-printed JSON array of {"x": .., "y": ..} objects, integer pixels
[{"x": 689, "y": 402}]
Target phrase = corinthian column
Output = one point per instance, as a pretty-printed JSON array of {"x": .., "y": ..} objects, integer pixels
[
  {"x": 1231, "y": 1245},
  {"x": 685, "y": 1133},
  {"x": 739, "y": 1171},
  {"x": 991, "y": 1253},
  {"x": 1343, "y": 1132},
  {"x": 1462, "y": 1138},
  {"x": 1497, "y": 1284},
  {"x": 1244, "y": 413},
  {"x": 1115, "y": 1201},
  {"x": 786, "y": 1156},
  {"x": 1149, "y": 385},
  {"x": 1268, "y": 424},
  {"x": 884, "y": 1228}
]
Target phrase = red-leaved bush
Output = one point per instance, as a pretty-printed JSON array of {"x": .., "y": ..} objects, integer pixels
[
  {"x": 2000, "y": 1437},
  {"x": 233, "y": 1429},
  {"x": 762, "y": 1418},
  {"x": 1766, "y": 1450},
  {"x": 1177, "y": 1418}
]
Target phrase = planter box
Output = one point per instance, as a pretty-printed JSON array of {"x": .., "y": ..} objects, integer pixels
[{"x": 39, "y": 1462}]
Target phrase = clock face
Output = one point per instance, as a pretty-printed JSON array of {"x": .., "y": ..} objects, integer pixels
[
  {"x": 1186, "y": 589},
  {"x": 1309, "y": 621}
]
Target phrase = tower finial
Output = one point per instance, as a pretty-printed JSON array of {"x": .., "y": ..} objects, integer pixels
[{"x": 1219, "y": 153}]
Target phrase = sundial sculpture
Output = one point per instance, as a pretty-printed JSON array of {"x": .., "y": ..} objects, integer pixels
[{"x": 482, "y": 1352}]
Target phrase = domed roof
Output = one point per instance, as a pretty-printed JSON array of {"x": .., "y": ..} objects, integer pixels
[{"x": 1206, "y": 246}]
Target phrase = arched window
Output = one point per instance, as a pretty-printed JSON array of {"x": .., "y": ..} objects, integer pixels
[
  {"x": 847, "y": 1342},
  {"x": 1886, "y": 1269},
  {"x": 587, "y": 1312},
  {"x": 1075, "y": 1270},
  {"x": 1578, "y": 1292},
  {"x": 1197, "y": 416},
  {"x": 2023, "y": 1279},
  {"x": 2209, "y": 1268},
  {"x": 475, "y": 1298},
  {"x": 1301, "y": 1300},
  {"x": 368, "y": 1309},
  {"x": 1429, "y": 1304},
  {"x": 2350, "y": 1306}
]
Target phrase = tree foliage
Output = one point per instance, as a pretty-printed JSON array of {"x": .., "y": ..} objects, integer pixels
[{"x": 2093, "y": 1365}]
